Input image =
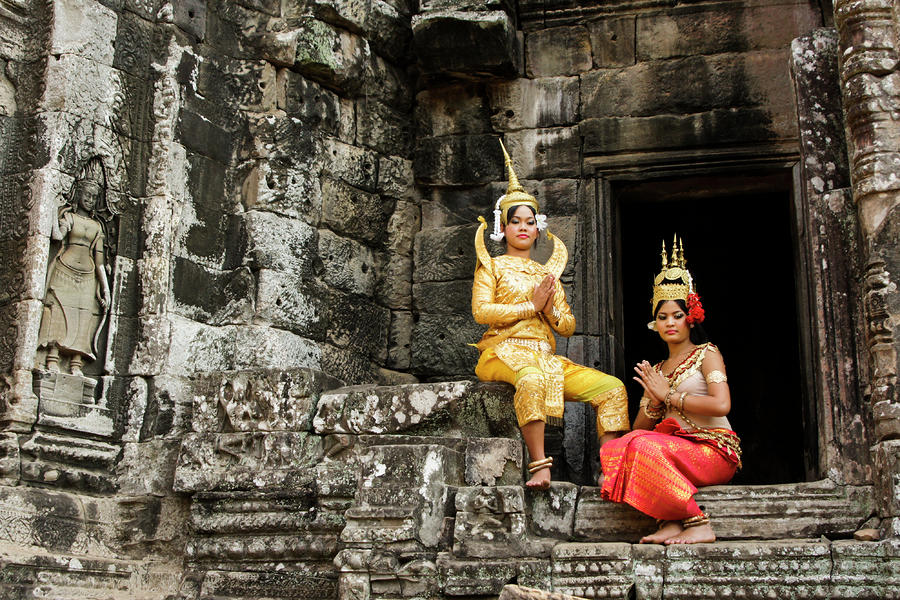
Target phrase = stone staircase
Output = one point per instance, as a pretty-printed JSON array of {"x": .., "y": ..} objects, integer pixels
[
  {"x": 288, "y": 487},
  {"x": 441, "y": 512}
]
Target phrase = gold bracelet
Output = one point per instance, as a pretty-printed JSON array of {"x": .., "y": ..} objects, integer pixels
[
  {"x": 653, "y": 414},
  {"x": 669, "y": 393},
  {"x": 681, "y": 401}
]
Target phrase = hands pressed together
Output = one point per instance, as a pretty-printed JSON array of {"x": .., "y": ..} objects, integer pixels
[
  {"x": 543, "y": 295},
  {"x": 655, "y": 385}
]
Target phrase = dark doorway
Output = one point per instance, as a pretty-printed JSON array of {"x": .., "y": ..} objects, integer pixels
[{"x": 738, "y": 242}]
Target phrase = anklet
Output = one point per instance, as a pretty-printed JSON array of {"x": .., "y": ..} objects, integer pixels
[
  {"x": 695, "y": 521},
  {"x": 534, "y": 467}
]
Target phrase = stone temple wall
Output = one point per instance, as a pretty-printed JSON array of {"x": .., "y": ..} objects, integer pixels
[
  {"x": 562, "y": 83},
  {"x": 291, "y": 189}
]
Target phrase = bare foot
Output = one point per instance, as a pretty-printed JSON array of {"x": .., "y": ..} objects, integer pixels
[
  {"x": 667, "y": 529},
  {"x": 600, "y": 480},
  {"x": 694, "y": 535},
  {"x": 540, "y": 480}
]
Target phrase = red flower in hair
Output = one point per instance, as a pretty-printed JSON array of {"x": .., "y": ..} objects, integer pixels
[{"x": 696, "y": 313}]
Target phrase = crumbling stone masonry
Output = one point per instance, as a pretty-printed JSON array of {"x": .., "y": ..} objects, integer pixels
[{"x": 278, "y": 400}]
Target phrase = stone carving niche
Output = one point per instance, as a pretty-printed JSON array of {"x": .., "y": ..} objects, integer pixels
[{"x": 77, "y": 300}]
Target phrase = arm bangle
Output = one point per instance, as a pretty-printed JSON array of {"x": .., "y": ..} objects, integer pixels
[{"x": 681, "y": 401}]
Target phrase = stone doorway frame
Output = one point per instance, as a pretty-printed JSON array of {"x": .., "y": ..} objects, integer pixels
[{"x": 837, "y": 447}]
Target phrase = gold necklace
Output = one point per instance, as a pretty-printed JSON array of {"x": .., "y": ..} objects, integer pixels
[{"x": 685, "y": 354}]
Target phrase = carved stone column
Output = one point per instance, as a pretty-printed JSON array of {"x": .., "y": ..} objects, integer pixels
[{"x": 868, "y": 31}]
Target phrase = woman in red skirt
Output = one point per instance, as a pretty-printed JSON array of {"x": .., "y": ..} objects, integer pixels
[{"x": 682, "y": 439}]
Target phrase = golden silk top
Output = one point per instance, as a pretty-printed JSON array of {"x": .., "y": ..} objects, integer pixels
[{"x": 502, "y": 294}]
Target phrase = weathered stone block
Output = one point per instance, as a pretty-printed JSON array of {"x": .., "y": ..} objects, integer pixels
[
  {"x": 886, "y": 466},
  {"x": 445, "y": 253},
  {"x": 440, "y": 345},
  {"x": 628, "y": 134},
  {"x": 400, "y": 339},
  {"x": 309, "y": 102},
  {"x": 246, "y": 461},
  {"x": 517, "y": 592},
  {"x": 68, "y": 402},
  {"x": 404, "y": 224},
  {"x": 190, "y": 16},
  {"x": 205, "y": 138},
  {"x": 349, "y": 265},
  {"x": 357, "y": 324},
  {"x": 490, "y": 522},
  {"x": 558, "y": 51},
  {"x": 356, "y": 166},
  {"x": 458, "y": 160},
  {"x": 132, "y": 44},
  {"x": 446, "y": 409},
  {"x": 247, "y": 85},
  {"x": 395, "y": 178},
  {"x": 612, "y": 41},
  {"x": 287, "y": 189},
  {"x": 545, "y": 153},
  {"x": 261, "y": 400},
  {"x": 348, "y": 365},
  {"x": 267, "y": 347},
  {"x": 56, "y": 522},
  {"x": 332, "y": 56},
  {"x": 91, "y": 39},
  {"x": 307, "y": 583},
  {"x": 443, "y": 296},
  {"x": 479, "y": 577},
  {"x": 864, "y": 569},
  {"x": 353, "y": 212},
  {"x": 533, "y": 103},
  {"x": 752, "y": 569},
  {"x": 425, "y": 471},
  {"x": 147, "y": 468},
  {"x": 690, "y": 85},
  {"x": 395, "y": 282},
  {"x": 457, "y": 109},
  {"x": 293, "y": 303},
  {"x": 382, "y": 127},
  {"x": 192, "y": 347},
  {"x": 801, "y": 510},
  {"x": 69, "y": 462},
  {"x": 493, "y": 461},
  {"x": 280, "y": 243},
  {"x": 212, "y": 296},
  {"x": 552, "y": 512},
  {"x": 585, "y": 569},
  {"x": 469, "y": 43},
  {"x": 742, "y": 29}
]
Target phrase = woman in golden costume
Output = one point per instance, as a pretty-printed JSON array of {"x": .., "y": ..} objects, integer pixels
[
  {"x": 682, "y": 439},
  {"x": 523, "y": 303}
]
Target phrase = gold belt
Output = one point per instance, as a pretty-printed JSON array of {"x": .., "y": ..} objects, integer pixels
[{"x": 531, "y": 344}]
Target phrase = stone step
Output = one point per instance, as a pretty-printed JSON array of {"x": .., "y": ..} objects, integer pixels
[
  {"x": 457, "y": 409},
  {"x": 26, "y": 574},
  {"x": 726, "y": 569},
  {"x": 794, "y": 510}
]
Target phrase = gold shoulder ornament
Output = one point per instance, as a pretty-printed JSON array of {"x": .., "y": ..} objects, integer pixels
[
  {"x": 557, "y": 261},
  {"x": 481, "y": 252}
]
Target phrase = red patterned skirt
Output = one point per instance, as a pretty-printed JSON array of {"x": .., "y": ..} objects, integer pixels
[{"x": 658, "y": 472}]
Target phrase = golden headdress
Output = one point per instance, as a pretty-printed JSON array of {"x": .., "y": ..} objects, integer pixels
[
  {"x": 674, "y": 281},
  {"x": 515, "y": 195}
]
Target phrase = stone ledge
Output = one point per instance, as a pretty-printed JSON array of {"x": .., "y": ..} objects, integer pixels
[{"x": 797, "y": 510}]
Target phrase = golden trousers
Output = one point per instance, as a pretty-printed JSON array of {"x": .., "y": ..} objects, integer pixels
[{"x": 535, "y": 381}]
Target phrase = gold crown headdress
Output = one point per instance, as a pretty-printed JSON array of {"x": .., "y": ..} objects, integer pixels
[
  {"x": 674, "y": 281},
  {"x": 515, "y": 195}
]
